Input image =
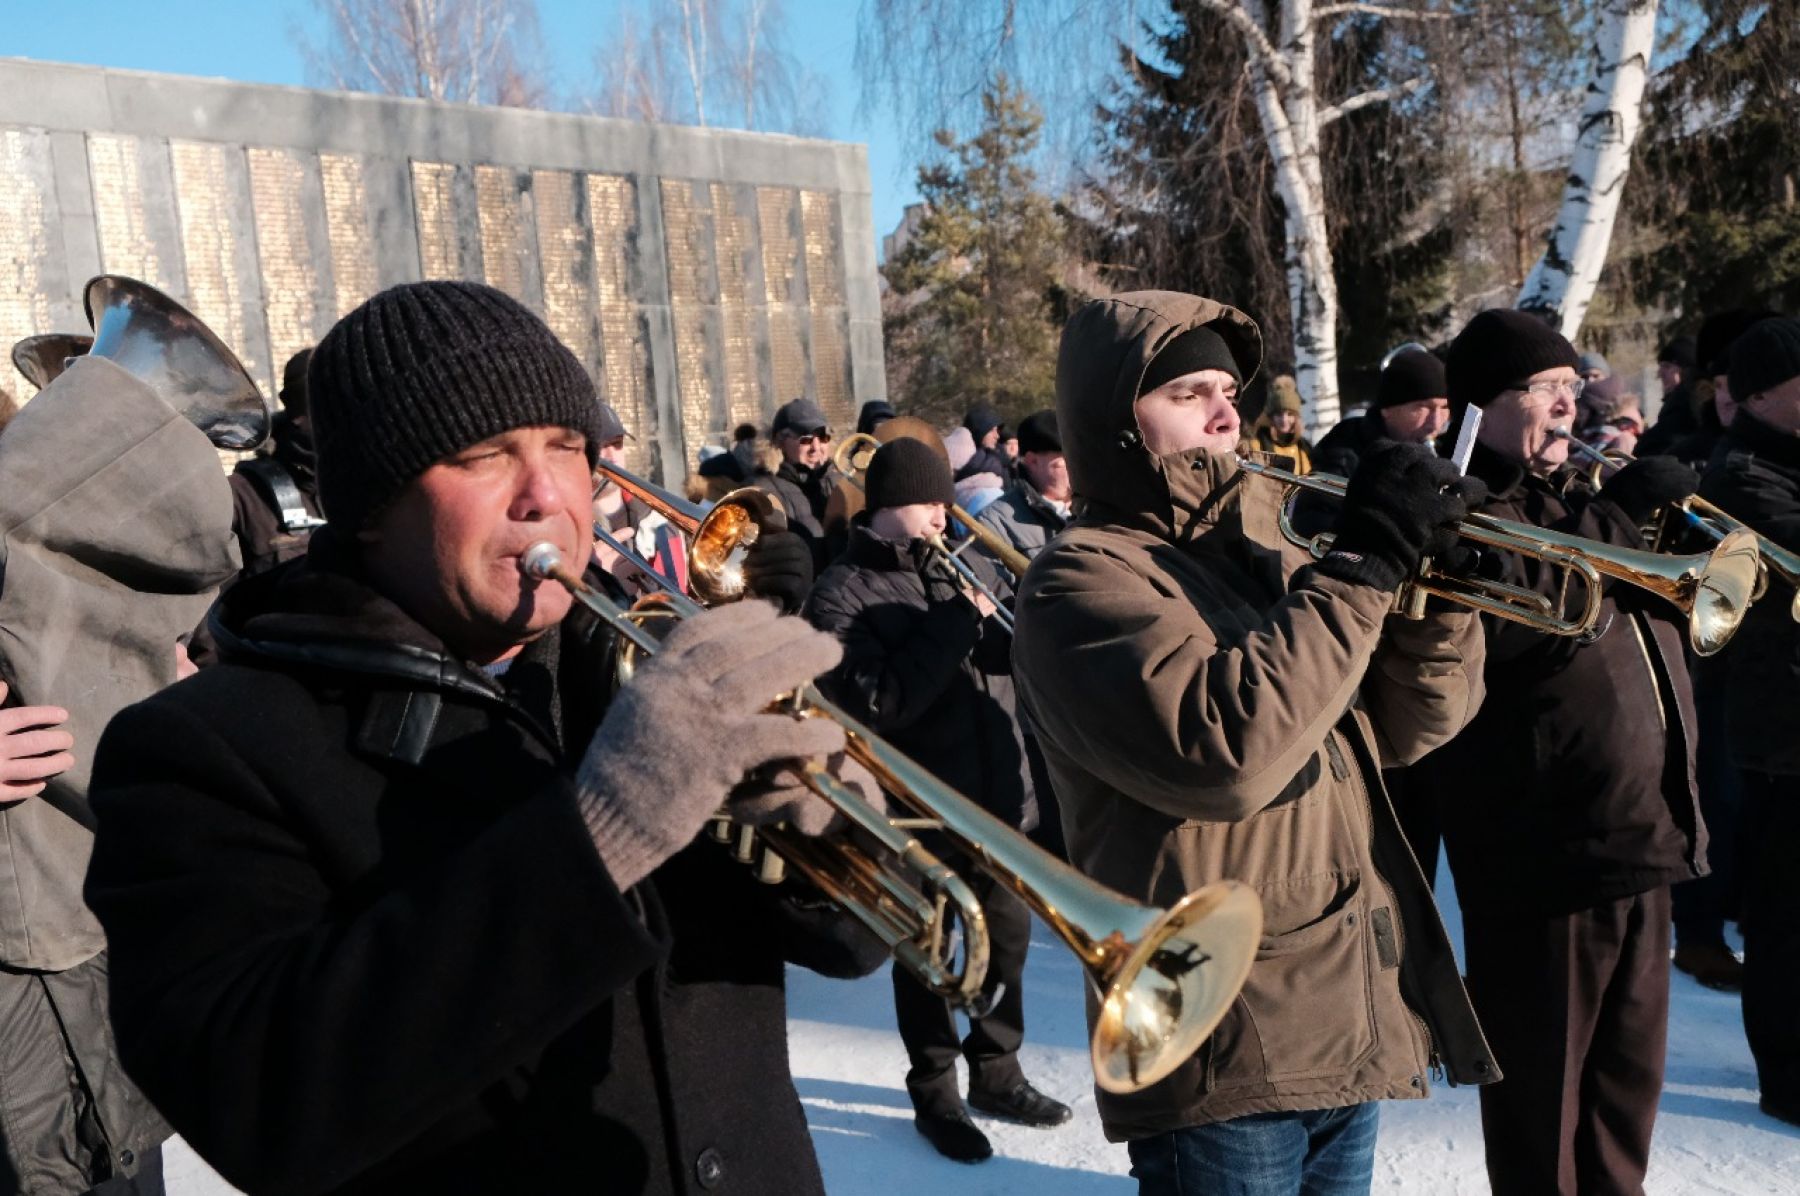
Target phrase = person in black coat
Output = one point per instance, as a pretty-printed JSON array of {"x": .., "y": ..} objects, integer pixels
[
  {"x": 1755, "y": 476},
  {"x": 398, "y": 899},
  {"x": 275, "y": 498},
  {"x": 804, "y": 481},
  {"x": 1567, "y": 804},
  {"x": 928, "y": 666}
]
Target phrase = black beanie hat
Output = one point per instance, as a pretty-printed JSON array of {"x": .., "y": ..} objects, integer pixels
[
  {"x": 1196, "y": 349},
  {"x": 907, "y": 471},
  {"x": 424, "y": 370},
  {"x": 1720, "y": 332},
  {"x": 293, "y": 382},
  {"x": 1681, "y": 351},
  {"x": 1038, "y": 433},
  {"x": 1765, "y": 357},
  {"x": 1499, "y": 349},
  {"x": 981, "y": 420},
  {"x": 873, "y": 414},
  {"x": 1411, "y": 376}
]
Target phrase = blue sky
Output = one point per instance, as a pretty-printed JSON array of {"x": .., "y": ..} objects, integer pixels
[{"x": 251, "y": 40}]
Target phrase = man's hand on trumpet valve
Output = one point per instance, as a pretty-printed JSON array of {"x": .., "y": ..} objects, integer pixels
[
  {"x": 1402, "y": 505},
  {"x": 772, "y": 795},
  {"x": 691, "y": 724}
]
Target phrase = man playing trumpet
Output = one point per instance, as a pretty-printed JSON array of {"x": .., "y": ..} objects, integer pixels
[
  {"x": 450, "y": 929},
  {"x": 1210, "y": 706},
  {"x": 1568, "y": 805}
]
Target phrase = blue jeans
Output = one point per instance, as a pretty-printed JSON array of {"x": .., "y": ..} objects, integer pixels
[{"x": 1323, "y": 1152}]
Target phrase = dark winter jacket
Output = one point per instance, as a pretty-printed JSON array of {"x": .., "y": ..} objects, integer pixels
[
  {"x": 266, "y": 534},
  {"x": 1575, "y": 783},
  {"x": 361, "y": 940},
  {"x": 1211, "y": 709},
  {"x": 1676, "y": 421},
  {"x": 986, "y": 460},
  {"x": 804, "y": 495},
  {"x": 1755, "y": 478},
  {"x": 1340, "y": 449},
  {"x": 925, "y": 671},
  {"x": 1024, "y": 517}
]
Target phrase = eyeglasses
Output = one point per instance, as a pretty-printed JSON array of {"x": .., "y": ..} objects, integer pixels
[
  {"x": 1546, "y": 392},
  {"x": 811, "y": 438}
]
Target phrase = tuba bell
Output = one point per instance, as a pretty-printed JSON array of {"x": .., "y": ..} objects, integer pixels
[
  {"x": 43, "y": 357},
  {"x": 168, "y": 348}
]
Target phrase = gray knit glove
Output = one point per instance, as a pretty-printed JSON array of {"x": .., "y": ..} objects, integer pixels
[{"x": 688, "y": 728}]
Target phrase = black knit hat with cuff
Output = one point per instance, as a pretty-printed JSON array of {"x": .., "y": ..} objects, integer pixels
[
  {"x": 1765, "y": 357},
  {"x": 1497, "y": 351},
  {"x": 907, "y": 471},
  {"x": 1196, "y": 349},
  {"x": 1412, "y": 376},
  {"x": 424, "y": 370},
  {"x": 1038, "y": 433}
]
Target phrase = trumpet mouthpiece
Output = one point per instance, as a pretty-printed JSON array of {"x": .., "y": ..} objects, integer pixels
[{"x": 541, "y": 560}]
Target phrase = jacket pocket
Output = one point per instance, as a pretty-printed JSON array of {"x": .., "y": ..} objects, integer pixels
[{"x": 1307, "y": 1011}]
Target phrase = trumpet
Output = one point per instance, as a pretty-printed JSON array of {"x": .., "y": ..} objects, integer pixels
[
  {"x": 1713, "y": 589},
  {"x": 719, "y": 536},
  {"x": 1163, "y": 978},
  {"x": 1705, "y": 517}
]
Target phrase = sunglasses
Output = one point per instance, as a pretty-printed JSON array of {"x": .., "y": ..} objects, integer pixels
[{"x": 811, "y": 438}]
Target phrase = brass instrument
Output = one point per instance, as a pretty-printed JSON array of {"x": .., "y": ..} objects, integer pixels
[
  {"x": 1164, "y": 978},
  {"x": 1158, "y": 1001},
  {"x": 1713, "y": 589},
  {"x": 852, "y": 458},
  {"x": 966, "y": 577},
  {"x": 720, "y": 536},
  {"x": 43, "y": 357},
  {"x": 1704, "y": 517},
  {"x": 166, "y": 347}
]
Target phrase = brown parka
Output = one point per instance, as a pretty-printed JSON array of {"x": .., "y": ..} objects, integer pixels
[{"x": 1211, "y": 709}]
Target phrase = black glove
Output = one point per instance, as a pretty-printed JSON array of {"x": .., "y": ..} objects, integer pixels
[
  {"x": 1402, "y": 505},
  {"x": 1648, "y": 484},
  {"x": 779, "y": 567},
  {"x": 942, "y": 582}
]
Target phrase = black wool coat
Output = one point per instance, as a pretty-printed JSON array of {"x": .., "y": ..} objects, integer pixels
[
  {"x": 362, "y": 942},
  {"x": 803, "y": 495},
  {"x": 1574, "y": 784},
  {"x": 1754, "y": 477},
  {"x": 925, "y": 671}
]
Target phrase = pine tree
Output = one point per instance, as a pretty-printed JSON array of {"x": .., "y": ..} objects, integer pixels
[{"x": 974, "y": 304}]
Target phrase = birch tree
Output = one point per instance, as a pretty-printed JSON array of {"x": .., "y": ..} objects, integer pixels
[
  {"x": 1564, "y": 279},
  {"x": 462, "y": 51},
  {"x": 1283, "y": 52}
]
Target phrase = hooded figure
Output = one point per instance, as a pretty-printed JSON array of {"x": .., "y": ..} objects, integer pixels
[{"x": 1210, "y": 707}]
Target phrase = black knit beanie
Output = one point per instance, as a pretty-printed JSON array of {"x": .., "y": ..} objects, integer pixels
[
  {"x": 424, "y": 370},
  {"x": 1411, "y": 376},
  {"x": 1765, "y": 357},
  {"x": 981, "y": 420},
  {"x": 907, "y": 471},
  {"x": 1038, "y": 433},
  {"x": 1496, "y": 351},
  {"x": 1719, "y": 332},
  {"x": 293, "y": 382},
  {"x": 1196, "y": 349},
  {"x": 1682, "y": 351}
]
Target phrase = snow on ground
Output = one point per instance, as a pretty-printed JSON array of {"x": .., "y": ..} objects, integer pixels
[{"x": 850, "y": 1069}]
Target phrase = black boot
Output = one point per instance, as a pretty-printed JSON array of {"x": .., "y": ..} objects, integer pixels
[
  {"x": 1021, "y": 1103},
  {"x": 954, "y": 1135}
]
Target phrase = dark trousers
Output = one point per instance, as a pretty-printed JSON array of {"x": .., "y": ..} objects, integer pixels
[
  {"x": 928, "y": 1023},
  {"x": 1576, "y": 1009},
  {"x": 1703, "y": 905},
  {"x": 1771, "y": 846}
]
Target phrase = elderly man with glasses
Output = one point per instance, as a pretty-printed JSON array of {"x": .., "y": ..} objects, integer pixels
[
  {"x": 806, "y": 477},
  {"x": 1568, "y": 805}
]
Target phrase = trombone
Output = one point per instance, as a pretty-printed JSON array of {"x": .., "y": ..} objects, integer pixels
[
  {"x": 1163, "y": 978},
  {"x": 1705, "y": 517},
  {"x": 1713, "y": 589}
]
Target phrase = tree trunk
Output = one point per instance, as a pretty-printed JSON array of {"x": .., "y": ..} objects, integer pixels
[{"x": 1564, "y": 279}]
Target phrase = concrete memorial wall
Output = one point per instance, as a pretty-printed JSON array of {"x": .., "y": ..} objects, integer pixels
[{"x": 704, "y": 276}]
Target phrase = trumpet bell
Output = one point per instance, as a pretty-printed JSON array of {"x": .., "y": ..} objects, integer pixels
[
  {"x": 722, "y": 539},
  {"x": 1179, "y": 980},
  {"x": 1723, "y": 590},
  {"x": 44, "y": 357}
]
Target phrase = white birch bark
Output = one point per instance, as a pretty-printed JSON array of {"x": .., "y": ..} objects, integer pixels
[{"x": 1564, "y": 279}]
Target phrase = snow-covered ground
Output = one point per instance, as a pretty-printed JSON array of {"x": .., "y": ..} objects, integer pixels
[{"x": 849, "y": 1066}]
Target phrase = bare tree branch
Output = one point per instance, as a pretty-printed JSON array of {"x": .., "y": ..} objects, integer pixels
[
  {"x": 1261, "y": 49},
  {"x": 1369, "y": 99},
  {"x": 1379, "y": 10}
]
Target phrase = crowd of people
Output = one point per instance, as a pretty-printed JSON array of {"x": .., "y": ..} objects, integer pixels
[{"x": 346, "y": 843}]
